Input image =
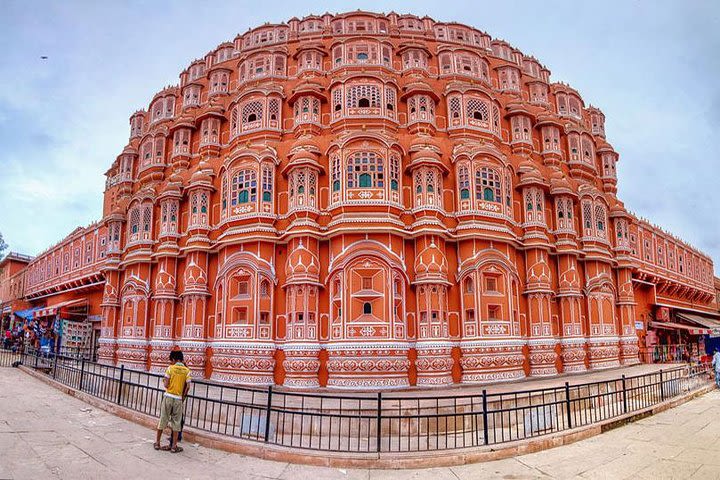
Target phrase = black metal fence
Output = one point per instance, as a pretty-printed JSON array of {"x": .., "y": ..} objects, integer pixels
[{"x": 373, "y": 422}]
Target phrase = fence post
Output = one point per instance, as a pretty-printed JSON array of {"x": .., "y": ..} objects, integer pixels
[
  {"x": 122, "y": 374},
  {"x": 567, "y": 404},
  {"x": 662, "y": 387},
  {"x": 486, "y": 436},
  {"x": 37, "y": 356},
  {"x": 267, "y": 413},
  {"x": 378, "y": 422},
  {"x": 82, "y": 373},
  {"x": 55, "y": 366},
  {"x": 625, "y": 408}
]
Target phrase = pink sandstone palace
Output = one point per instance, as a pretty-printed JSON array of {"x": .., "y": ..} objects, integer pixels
[{"x": 369, "y": 201}]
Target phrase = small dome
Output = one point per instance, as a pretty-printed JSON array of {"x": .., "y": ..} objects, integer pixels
[
  {"x": 431, "y": 264},
  {"x": 302, "y": 264},
  {"x": 164, "y": 280},
  {"x": 194, "y": 275}
]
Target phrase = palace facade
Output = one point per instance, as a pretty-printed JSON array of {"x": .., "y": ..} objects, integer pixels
[{"x": 370, "y": 201}]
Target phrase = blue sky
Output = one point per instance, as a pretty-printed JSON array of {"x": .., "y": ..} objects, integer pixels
[{"x": 651, "y": 66}]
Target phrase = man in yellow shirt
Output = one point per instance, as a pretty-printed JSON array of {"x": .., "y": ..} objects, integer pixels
[{"x": 177, "y": 382}]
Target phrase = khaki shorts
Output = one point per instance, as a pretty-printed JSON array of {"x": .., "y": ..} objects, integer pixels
[{"x": 171, "y": 410}]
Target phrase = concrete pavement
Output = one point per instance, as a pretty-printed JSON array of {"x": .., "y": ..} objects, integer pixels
[{"x": 45, "y": 434}]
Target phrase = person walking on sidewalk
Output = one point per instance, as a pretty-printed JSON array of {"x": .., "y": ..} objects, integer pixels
[
  {"x": 716, "y": 367},
  {"x": 177, "y": 382}
]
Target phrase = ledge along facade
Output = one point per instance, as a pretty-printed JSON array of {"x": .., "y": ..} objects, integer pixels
[{"x": 370, "y": 201}]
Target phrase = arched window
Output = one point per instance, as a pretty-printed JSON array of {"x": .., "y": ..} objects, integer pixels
[
  {"x": 243, "y": 187},
  {"x": 267, "y": 183},
  {"x": 600, "y": 220},
  {"x": 363, "y": 96},
  {"x": 252, "y": 114},
  {"x": 394, "y": 173},
  {"x": 464, "y": 182},
  {"x": 134, "y": 222},
  {"x": 487, "y": 185},
  {"x": 365, "y": 170},
  {"x": 336, "y": 172},
  {"x": 367, "y": 308}
]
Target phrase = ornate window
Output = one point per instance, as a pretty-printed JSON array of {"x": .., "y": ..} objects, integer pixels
[
  {"x": 336, "y": 170},
  {"x": 261, "y": 66},
  {"x": 219, "y": 82},
  {"x": 464, "y": 182},
  {"x": 197, "y": 70},
  {"x": 564, "y": 209},
  {"x": 574, "y": 147},
  {"x": 477, "y": 112},
  {"x": 199, "y": 208},
  {"x": 223, "y": 195},
  {"x": 210, "y": 131},
  {"x": 600, "y": 221},
  {"x": 622, "y": 238},
  {"x": 608, "y": 160},
  {"x": 487, "y": 185},
  {"x": 509, "y": 78},
  {"x": 551, "y": 139},
  {"x": 307, "y": 110},
  {"x": 223, "y": 54},
  {"x": 136, "y": 125},
  {"x": 168, "y": 217},
  {"x": 362, "y": 53},
  {"x": 310, "y": 60},
  {"x": 539, "y": 93},
  {"x": 163, "y": 108},
  {"x": 364, "y": 99},
  {"x": 394, "y": 174},
  {"x": 267, "y": 183},
  {"x": 421, "y": 108},
  {"x": 521, "y": 129},
  {"x": 365, "y": 170},
  {"x": 464, "y": 63},
  {"x": 252, "y": 115},
  {"x": 181, "y": 142},
  {"x": 302, "y": 188},
  {"x": 588, "y": 150},
  {"x": 243, "y": 188},
  {"x": 534, "y": 205},
  {"x": 255, "y": 114},
  {"x": 414, "y": 58},
  {"x": 428, "y": 187},
  {"x": 594, "y": 219},
  {"x": 191, "y": 96}
]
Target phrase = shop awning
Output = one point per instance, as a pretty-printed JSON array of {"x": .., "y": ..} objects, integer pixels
[
  {"x": 53, "y": 309},
  {"x": 26, "y": 314},
  {"x": 692, "y": 330},
  {"x": 707, "y": 322}
]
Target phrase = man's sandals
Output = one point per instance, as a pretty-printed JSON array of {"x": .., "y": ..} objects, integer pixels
[{"x": 168, "y": 448}]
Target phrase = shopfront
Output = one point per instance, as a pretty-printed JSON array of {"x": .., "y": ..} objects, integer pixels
[{"x": 681, "y": 336}]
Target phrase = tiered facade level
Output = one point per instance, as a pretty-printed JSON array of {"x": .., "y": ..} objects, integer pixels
[{"x": 374, "y": 201}]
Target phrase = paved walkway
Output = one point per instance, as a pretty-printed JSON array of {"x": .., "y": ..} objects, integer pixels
[{"x": 45, "y": 434}]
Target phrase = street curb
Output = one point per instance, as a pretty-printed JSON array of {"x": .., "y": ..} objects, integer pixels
[{"x": 393, "y": 460}]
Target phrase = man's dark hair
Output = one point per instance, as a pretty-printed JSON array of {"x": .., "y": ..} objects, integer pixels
[{"x": 176, "y": 356}]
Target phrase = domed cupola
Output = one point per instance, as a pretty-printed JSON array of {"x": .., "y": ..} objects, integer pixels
[
  {"x": 431, "y": 266},
  {"x": 164, "y": 282},
  {"x": 195, "y": 277},
  {"x": 302, "y": 265}
]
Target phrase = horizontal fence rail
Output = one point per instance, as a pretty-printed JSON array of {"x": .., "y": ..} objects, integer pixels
[{"x": 371, "y": 422}]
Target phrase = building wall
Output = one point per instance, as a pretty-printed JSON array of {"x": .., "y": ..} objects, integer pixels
[{"x": 364, "y": 200}]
